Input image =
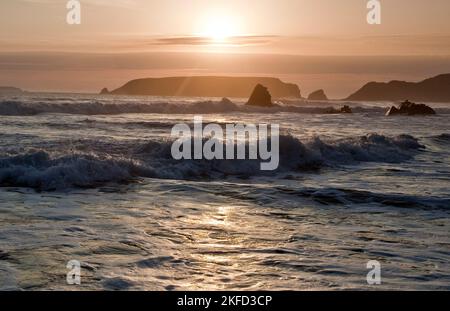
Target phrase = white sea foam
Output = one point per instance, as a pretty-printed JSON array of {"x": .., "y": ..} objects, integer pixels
[
  {"x": 94, "y": 165},
  {"x": 25, "y": 108}
]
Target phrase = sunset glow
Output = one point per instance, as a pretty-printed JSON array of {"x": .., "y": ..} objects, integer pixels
[
  {"x": 224, "y": 154},
  {"x": 219, "y": 28}
]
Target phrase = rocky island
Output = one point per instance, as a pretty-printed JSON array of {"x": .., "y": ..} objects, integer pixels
[
  {"x": 318, "y": 95},
  {"x": 206, "y": 86}
]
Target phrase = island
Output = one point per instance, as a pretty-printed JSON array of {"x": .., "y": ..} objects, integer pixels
[
  {"x": 10, "y": 90},
  {"x": 206, "y": 86},
  {"x": 436, "y": 89},
  {"x": 318, "y": 95}
]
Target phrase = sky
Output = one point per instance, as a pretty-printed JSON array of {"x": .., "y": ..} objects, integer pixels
[{"x": 315, "y": 43}]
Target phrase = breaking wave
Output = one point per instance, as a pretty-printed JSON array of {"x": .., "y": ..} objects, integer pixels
[
  {"x": 23, "y": 108},
  {"x": 91, "y": 163}
]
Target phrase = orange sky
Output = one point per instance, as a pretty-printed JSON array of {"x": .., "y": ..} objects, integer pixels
[{"x": 278, "y": 30}]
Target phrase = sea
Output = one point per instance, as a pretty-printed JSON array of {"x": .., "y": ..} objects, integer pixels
[{"x": 91, "y": 179}]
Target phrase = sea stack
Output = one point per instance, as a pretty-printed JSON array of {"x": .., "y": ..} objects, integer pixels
[
  {"x": 410, "y": 109},
  {"x": 104, "y": 91},
  {"x": 260, "y": 97},
  {"x": 318, "y": 95}
]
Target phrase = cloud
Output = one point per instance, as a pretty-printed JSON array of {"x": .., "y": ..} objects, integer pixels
[
  {"x": 236, "y": 40},
  {"x": 110, "y": 3}
]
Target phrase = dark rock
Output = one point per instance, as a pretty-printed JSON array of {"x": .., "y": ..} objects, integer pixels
[
  {"x": 409, "y": 108},
  {"x": 346, "y": 109},
  {"x": 104, "y": 91},
  {"x": 260, "y": 97},
  {"x": 226, "y": 101},
  {"x": 318, "y": 95},
  {"x": 392, "y": 111}
]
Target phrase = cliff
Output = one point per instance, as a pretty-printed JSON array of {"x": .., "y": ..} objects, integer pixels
[{"x": 436, "y": 89}]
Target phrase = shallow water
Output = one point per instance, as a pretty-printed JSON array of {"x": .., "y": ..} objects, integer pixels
[{"x": 102, "y": 189}]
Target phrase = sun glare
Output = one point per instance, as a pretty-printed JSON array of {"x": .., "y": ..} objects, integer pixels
[{"x": 219, "y": 28}]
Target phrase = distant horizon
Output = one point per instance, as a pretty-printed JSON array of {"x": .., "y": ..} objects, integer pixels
[
  {"x": 304, "y": 95},
  {"x": 318, "y": 44}
]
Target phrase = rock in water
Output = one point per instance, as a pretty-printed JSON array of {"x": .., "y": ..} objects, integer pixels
[
  {"x": 409, "y": 108},
  {"x": 318, "y": 95},
  {"x": 260, "y": 97},
  {"x": 226, "y": 101},
  {"x": 346, "y": 109},
  {"x": 104, "y": 91},
  {"x": 392, "y": 111}
]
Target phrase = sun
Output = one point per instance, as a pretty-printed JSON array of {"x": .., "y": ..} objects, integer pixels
[{"x": 219, "y": 28}]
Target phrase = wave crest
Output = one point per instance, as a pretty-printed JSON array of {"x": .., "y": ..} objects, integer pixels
[
  {"x": 88, "y": 167},
  {"x": 40, "y": 170},
  {"x": 96, "y": 107}
]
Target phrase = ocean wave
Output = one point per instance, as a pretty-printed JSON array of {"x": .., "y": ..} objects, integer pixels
[
  {"x": 333, "y": 196},
  {"x": 92, "y": 163},
  {"x": 42, "y": 171},
  {"x": 442, "y": 110},
  {"x": 444, "y": 137},
  {"x": 131, "y": 124},
  {"x": 270, "y": 196},
  {"x": 23, "y": 108}
]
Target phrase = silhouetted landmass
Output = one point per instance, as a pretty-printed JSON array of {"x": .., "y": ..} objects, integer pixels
[
  {"x": 436, "y": 89},
  {"x": 410, "y": 109},
  {"x": 260, "y": 97},
  {"x": 104, "y": 91},
  {"x": 9, "y": 90},
  {"x": 318, "y": 95},
  {"x": 206, "y": 87}
]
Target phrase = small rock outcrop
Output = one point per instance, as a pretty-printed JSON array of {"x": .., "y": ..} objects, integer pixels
[
  {"x": 346, "y": 109},
  {"x": 410, "y": 109},
  {"x": 318, "y": 95},
  {"x": 260, "y": 97},
  {"x": 104, "y": 91},
  {"x": 226, "y": 101}
]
